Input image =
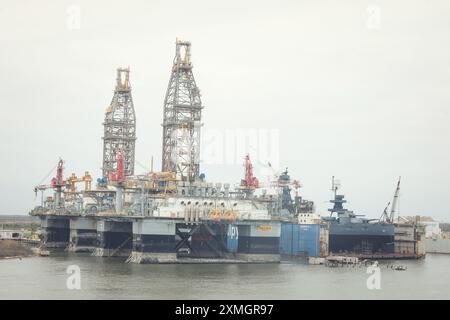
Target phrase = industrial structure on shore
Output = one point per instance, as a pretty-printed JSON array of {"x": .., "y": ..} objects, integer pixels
[{"x": 175, "y": 215}]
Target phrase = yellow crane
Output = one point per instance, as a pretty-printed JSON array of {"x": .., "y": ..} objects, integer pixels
[{"x": 73, "y": 180}]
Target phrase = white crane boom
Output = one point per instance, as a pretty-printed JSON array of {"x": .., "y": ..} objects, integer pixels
[{"x": 395, "y": 201}]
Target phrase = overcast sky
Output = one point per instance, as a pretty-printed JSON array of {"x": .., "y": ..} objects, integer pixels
[{"x": 356, "y": 89}]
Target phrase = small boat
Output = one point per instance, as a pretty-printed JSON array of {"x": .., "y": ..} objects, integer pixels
[
  {"x": 400, "y": 268},
  {"x": 44, "y": 253}
]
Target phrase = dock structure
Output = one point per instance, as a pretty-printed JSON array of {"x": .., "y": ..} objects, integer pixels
[{"x": 409, "y": 240}]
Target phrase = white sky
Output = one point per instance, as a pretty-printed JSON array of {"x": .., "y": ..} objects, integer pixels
[{"x": 363, "y": 101}]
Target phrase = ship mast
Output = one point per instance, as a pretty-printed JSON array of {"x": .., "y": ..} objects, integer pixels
[
  {"x": 334, "y": 186},
  {"x": 338, "y": 200}
]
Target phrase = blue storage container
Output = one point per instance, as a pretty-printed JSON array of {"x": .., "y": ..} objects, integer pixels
[
  {"x": 286, "y": 239},
  {"x": 309, "y": 239},
  {"x": 300, "y": 239}
]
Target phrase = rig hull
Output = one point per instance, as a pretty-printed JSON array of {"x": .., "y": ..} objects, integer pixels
[{"x": 155, "y": 240}]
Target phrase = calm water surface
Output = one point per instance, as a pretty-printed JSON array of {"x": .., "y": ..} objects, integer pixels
[{"x": 111, "y": 278}]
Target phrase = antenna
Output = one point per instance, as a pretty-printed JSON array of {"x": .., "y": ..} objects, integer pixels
[
  {"x": 332, "y": 183},
  {"x": 335, "y": 185}
]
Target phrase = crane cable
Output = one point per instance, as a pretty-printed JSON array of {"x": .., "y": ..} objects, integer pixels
[
  {"x": 143, "y": 166},
  {"x": 48, "y": 175}
]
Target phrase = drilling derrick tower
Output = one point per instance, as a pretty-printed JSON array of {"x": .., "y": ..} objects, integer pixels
[
  {"x": 120, "y": 127},
  {"x": 182, "y": 118}
]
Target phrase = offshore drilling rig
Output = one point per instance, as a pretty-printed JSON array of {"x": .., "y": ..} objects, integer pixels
[
  {"x": 174, "y": 215},
  {"x": 166, "y": 216}
]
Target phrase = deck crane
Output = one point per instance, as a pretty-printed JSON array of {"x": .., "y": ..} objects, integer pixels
[
  {"x": 384, "y": 215},
  {"x": 395, "y": 201},
  {"x": 56, "y": 183},
  {"x": 250, "y": 180},
  {"x": 389, "y": 218},
  {"x": 282, "y": 183},
  {"x": 279, "y": 182},
  {"x": 73, "y": 179}
]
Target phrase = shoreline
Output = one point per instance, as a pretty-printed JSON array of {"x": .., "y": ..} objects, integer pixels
[
  {"x": 10, "y": 249},
  {"x": 13, "y": 257}
]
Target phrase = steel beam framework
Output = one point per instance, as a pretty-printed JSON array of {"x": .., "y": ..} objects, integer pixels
[
  {"x": 120, "y": 127},
  {"x": 182, "y": 118}
]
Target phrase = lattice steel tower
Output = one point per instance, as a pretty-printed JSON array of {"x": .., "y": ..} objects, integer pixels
[
  {"x": 182, "y": 118},
  {"x": 120, "y": 127}
]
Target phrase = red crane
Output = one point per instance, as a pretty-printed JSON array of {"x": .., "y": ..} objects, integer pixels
[
  {"x": 58, "y": 180},
  {"x": 250, "y": 180},
  {"x": 56, "y": 183}
]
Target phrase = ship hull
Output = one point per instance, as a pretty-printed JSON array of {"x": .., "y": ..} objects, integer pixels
[{"x": 361, "y": 238}]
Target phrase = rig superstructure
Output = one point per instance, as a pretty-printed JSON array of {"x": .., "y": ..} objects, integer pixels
[
  {"x": 182, "y": 118},
  {"x": 120, "y": 127}
]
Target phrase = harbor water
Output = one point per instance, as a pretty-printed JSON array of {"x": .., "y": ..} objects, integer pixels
[{"x": 111, "y": 278}]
